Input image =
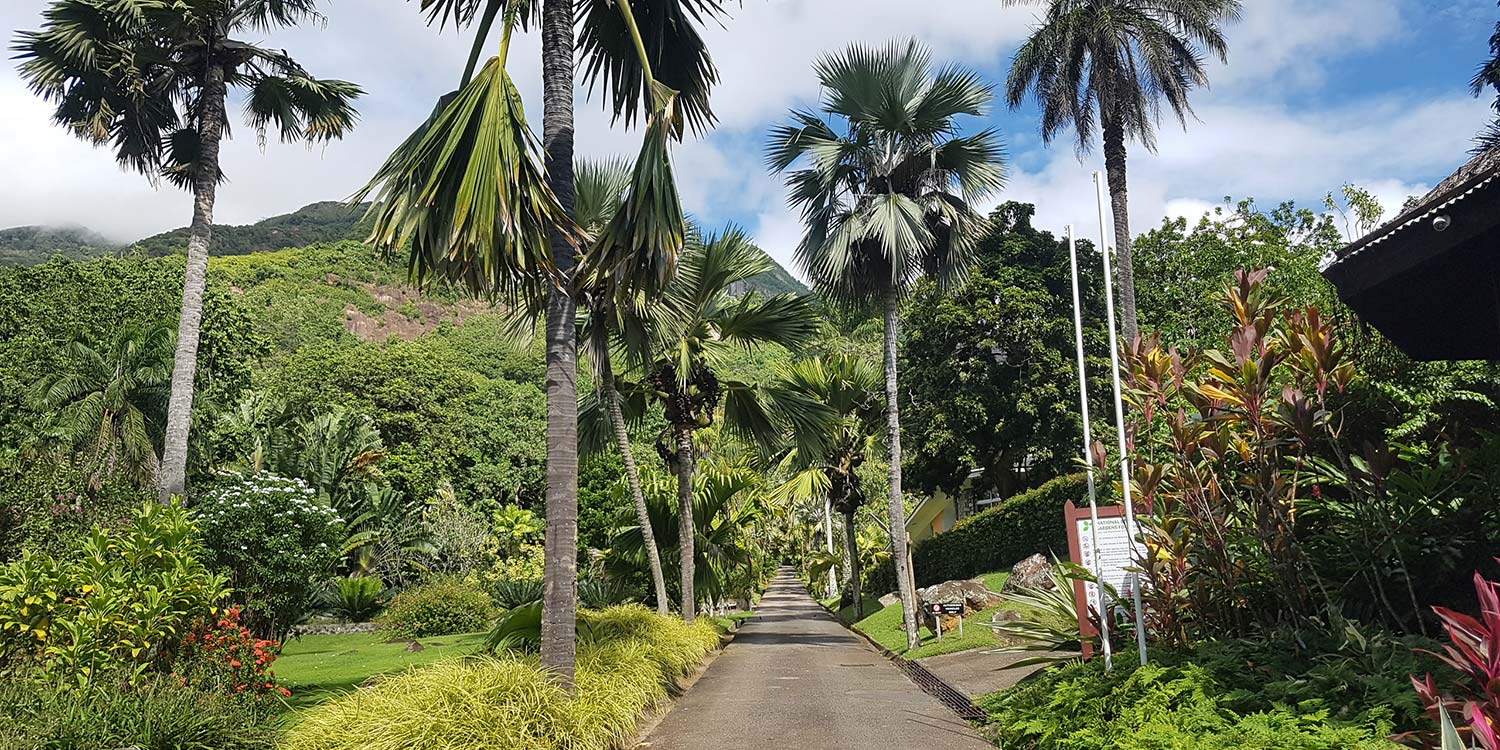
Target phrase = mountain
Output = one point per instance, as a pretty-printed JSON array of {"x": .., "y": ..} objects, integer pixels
[
  {"x": 325, "y": 222},
  {"x": 24, "y": 246}
]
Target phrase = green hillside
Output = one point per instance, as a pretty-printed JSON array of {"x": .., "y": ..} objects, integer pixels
[{"x": 327, "y": 222}]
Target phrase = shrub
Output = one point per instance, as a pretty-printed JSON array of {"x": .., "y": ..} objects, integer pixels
[
  {"x": 120, "y": 602},
  {"x": 356, "y": 599},
  {"x": 442, "y": 606},
  {"x": 276, "y": 539},
  {"x": 157, "y": 715},
  {"x": 509, "y": 702},
  {"x": 220, "y": 655},
  {"x": 993, "y": 539},
  {"x": 510, "y": 593},
  {"x": 1265, "y": 694},
  {"x": 1473, "y": 652}
]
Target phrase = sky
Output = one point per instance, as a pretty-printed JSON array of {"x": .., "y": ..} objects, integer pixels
[{"x": 1316, "y": 93}]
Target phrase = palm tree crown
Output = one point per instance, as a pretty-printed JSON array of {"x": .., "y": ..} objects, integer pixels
[
  {"x": 131, "y": 75},
  {"x": 886, "y": 181},
  {"x": 1119, "y": 57}
]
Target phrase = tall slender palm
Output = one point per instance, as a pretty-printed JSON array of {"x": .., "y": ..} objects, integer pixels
[
  {"x": 601, "y": 189},
  {"x": 150, "y": 79},
  {"x": 833, "y": 415},
  {"x": 467, "y": 191},
  {"x": 109, "y": 402},
  {"x": 693, "y": 327},
  {"x": 1487, "y": 77},
  {"x": 885, "y": 188},
  {"x": 1121, "y": 57}
]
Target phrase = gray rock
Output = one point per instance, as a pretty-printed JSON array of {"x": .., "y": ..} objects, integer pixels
[
  {"x": 890, "y": 599},
  {"x": 414, "y": 646},
  {"x": 1032, "y": 574},
  {"x": 974, "y": 595}
]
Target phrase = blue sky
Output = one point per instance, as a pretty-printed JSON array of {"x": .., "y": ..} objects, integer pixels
[{"x": 1316, "y": 93}]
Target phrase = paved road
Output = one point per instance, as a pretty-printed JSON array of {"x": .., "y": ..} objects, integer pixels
[{"x": 795, "y": 678}]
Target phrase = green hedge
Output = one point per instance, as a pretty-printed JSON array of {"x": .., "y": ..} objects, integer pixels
[{"x": 992, "y": 540}]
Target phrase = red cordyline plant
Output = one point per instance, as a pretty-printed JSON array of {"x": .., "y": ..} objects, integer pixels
[
  {"x": 1474, "y": 651},
  {"x": 1220, "y": 440}
]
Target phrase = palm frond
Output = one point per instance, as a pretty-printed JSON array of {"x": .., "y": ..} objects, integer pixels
[
  {"x": 674, "y": 48},
  {"x": 468, "y": 193}
]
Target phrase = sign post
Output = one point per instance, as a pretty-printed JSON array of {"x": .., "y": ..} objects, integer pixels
[
  {"x": 1106, "y": 546},
  {"x": 939, "y": 610}
]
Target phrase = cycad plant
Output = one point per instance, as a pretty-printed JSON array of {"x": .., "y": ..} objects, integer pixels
[
  {"x": 832, "y": 415},
  {"x": 886, "y": 185},
  {"x": 482, "y": 203},
  {"x": 1121, "y": 58},
  {"x": 108, "y": 405},
  {"x": 150, "y": 79}
]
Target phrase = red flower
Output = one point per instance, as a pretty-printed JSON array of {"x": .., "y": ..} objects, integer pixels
[
  {"x": 286, "y": 693},
  {"x": 235, "y": 663}
]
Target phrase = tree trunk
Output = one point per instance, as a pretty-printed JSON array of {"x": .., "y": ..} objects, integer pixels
[
  {"x": 686, "y": 530},
  {"x": 173, "y": 479},
  {"x": 633, "y": 478},
  {"x": 1119, "y": 199},
  {"x": 851, "y": 550},
  {"x": 893, "y": 439},
  {"x": 560, "y": 603}
]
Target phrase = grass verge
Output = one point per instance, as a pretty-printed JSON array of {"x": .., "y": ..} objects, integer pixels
[
  {"x": 320, "y": 667},
  {"x": 884, "y": 626}
]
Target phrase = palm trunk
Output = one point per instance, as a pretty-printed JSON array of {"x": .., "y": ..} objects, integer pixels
[
  {"x": 559, "y": 602},
  {"x": 897, "y": 509},
  {"x": 851, "y": 551},
  {"x": 633, "y": 478},
  {"x": 1119, "y": 199},
  {"x": 686, "y": 530},
  {"x": 173, "y": 479}
]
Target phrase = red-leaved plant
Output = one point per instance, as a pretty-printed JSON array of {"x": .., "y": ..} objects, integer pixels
[{"x": 1474, "y": 651}]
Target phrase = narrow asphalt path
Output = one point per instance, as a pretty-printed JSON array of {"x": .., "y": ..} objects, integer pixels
[{"x": 795, "y": 678}]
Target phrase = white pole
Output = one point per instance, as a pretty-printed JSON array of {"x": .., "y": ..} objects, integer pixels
[
  {"x": 1088, "y": 458},
  {"x": 833, "y": 580},
  {"x": 1114, "y": 361}
]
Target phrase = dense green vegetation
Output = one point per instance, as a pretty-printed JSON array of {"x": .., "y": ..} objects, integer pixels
[{"x": 24, "y": 246}]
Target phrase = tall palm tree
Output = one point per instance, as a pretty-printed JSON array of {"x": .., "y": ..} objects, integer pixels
[
  {"x": 467, "y": 191},
  {"x": 693, "y": 327},
  {"x": 150, "y": 79},
  {"x": 833, "y": 415},
  {"x": 1121, "y": 57},
  {"x": 108, "y": 404},
  {"x": 886, "y": 189},
  {"x": 1487, "y": 77},
  {"x": 601, "y": 188}
]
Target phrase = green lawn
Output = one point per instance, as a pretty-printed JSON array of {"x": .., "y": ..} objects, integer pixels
[
  {"x": 317, "y": 666},
  {"x": 883, "y": 625}
]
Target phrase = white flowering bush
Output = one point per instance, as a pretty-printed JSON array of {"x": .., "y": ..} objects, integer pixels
[{"x": 275, "y": 538}]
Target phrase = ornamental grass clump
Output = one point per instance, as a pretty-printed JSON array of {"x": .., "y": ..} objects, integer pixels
[{"x": 626, "y": 662}]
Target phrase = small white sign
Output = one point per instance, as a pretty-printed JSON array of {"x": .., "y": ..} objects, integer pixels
[{"x": 1117, "y": 551}]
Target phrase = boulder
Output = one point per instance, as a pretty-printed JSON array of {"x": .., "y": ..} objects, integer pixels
[
  {"x": 889, "y": 599},
  {"x": 414, "y": 647},
  {"x": 973, "y": 594},
  {"x": 1032, "y": 574}
]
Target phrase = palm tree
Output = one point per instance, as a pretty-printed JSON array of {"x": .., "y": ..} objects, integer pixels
[
  {"x": 109, "y": 401},
  {"x": 723, "y": 512},
  {"x": 601, "y": 188},
  {"x": 468, "y": 194},
  {"x": 694, "y": 325},
  {"x": 887, "y": 199},
  {"x": 832, "y": 415},
  {"x": 150, "y": 79},
  {"x": 1122, "y": 57},
  {"x": 1485, "y": 78}
]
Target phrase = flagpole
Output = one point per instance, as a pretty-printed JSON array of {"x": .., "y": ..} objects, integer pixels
[
  {"x": 1088, "y": 459},
  {"x": 1114, "y": 361}
]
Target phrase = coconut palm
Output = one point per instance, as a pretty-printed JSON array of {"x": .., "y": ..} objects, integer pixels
[
  {"x": 150, "y": 79},
  {"x": 108, "y": 402},
  {"x": 886, "y": 187},
  {"x": 1121, "y": 58},
  {"x": 468, "y": 192},
  {"x": 833, "y": 415}
]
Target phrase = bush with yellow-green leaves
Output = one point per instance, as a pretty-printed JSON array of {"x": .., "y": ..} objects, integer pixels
[{"x": 627, "y": 658}]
